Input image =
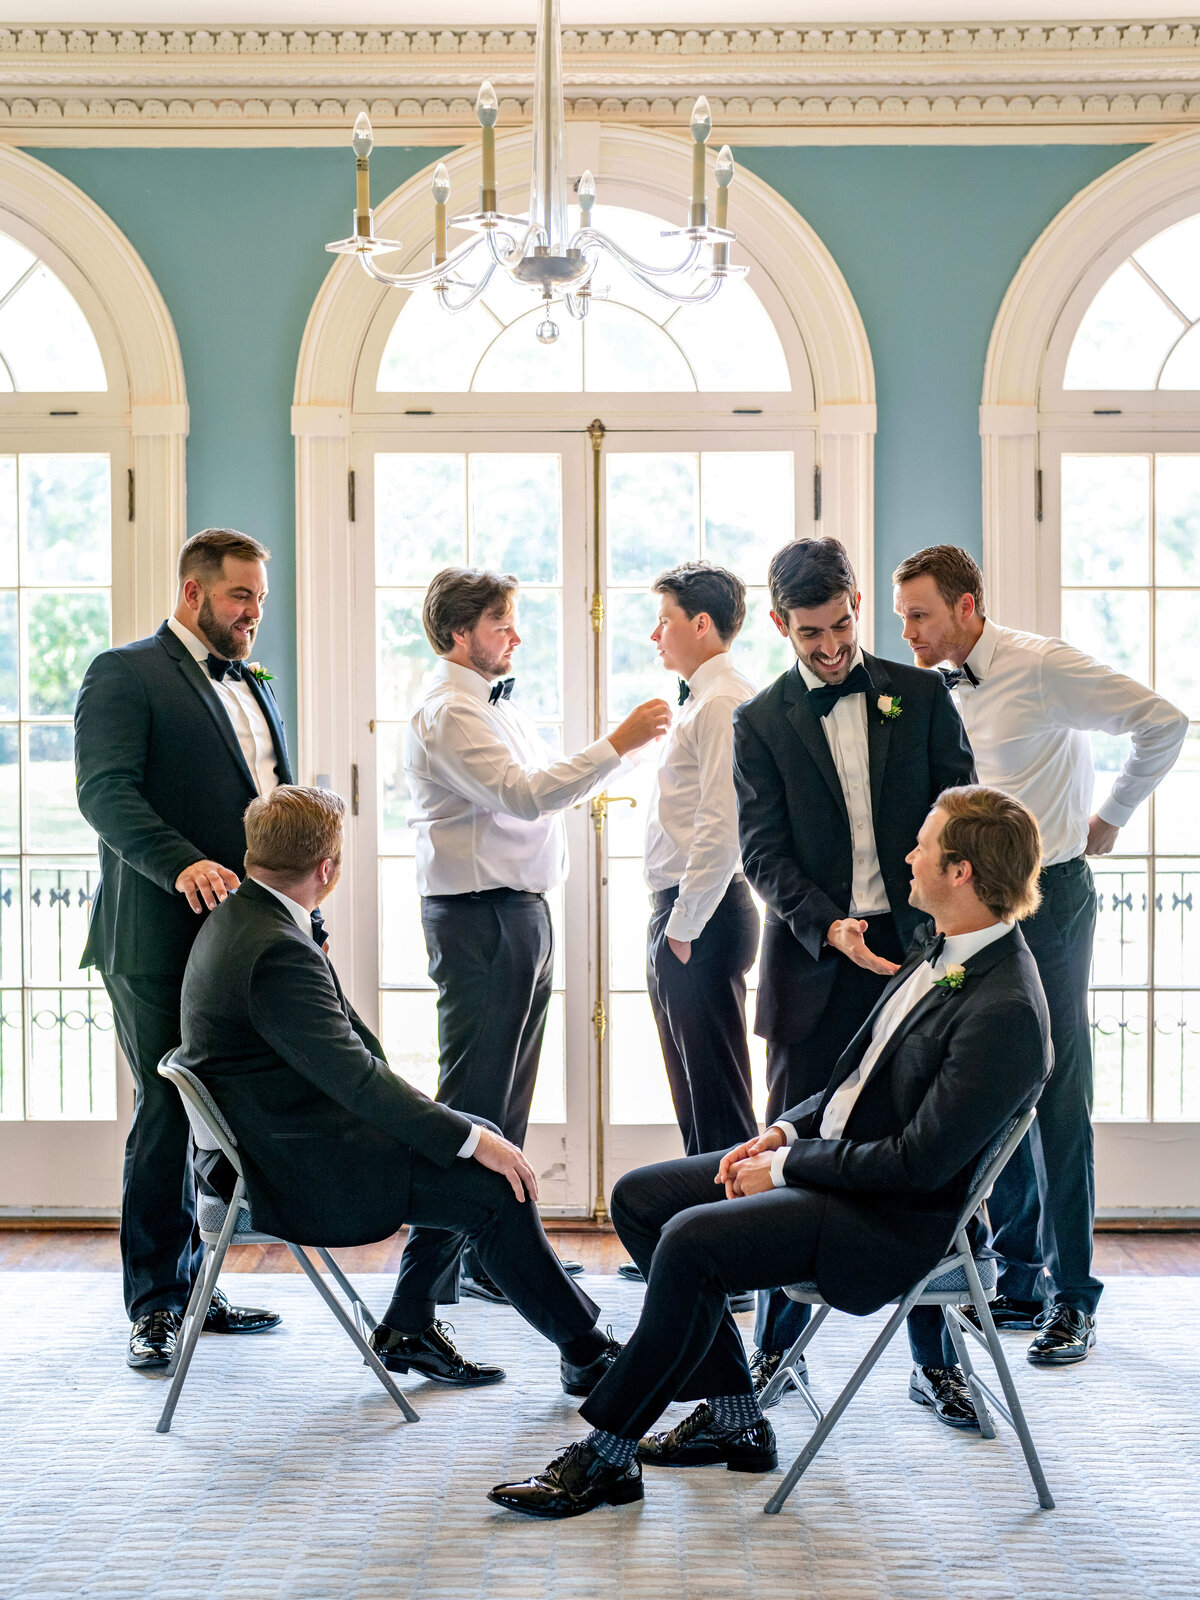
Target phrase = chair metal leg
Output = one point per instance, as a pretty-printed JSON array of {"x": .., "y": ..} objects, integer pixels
[
  {"x": 197, "y": 1309},
  {"x": 363, "y": 1316},
  {"x": 786, "y": 1372},
  {"x": 356, "y": 1338},
  {"x": 824, "y": 1428},
  {"x": 1000, "y": 1361},
  {"x": 983, "y": 1416}
]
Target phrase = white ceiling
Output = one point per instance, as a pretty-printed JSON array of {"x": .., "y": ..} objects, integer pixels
[{"x": 509, "y": 13}]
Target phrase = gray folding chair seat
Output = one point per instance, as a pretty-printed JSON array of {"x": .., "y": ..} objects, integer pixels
[
  {"x": 220, "y": 1224},
  {"x": 959, "y": 1276}
]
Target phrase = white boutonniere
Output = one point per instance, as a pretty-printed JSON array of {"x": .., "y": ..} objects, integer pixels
[
  {"x": 260, "y": 673},
  {"x": 954, "y": 978},
  {"x": 889, "y": 706}
]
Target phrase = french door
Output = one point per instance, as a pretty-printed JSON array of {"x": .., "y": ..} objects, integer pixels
[{"x": 586, "y": 520}]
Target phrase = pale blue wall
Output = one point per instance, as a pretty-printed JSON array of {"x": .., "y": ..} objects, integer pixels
[{"x": 928, "y": 239}]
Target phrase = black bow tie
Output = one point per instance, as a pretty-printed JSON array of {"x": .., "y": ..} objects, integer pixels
[
  {"x": 955, "y": 675},
  {"x": 684, "y": 691},
  {"x": 826, "y": 695},
  {"x": 219, "y": 668},
  {"x": 501, "y": 690},
  {"x": 319, "y": 931},
  {"x": 935, "y": 943}
]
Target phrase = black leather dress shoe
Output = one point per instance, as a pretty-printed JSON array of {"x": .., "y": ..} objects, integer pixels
[
  {"x": 224, "y": 1318},
  {"x": 697, "y": 1441},
  {"x": 1066, "y": 1337},
  {"x": 764, "y": 1364},
  {"x": 582, "y": 1380},
  {"x": 577, "y": 1481},
  {"x": 1010, "y": 1316},
  {"x": 630, "y": 1271},
  {"x": 481, "y": 1287},
  {"x": 944, "y": 1390},
  {"x": 152, "y": 1340},
  {"x": 571, "y": 1268},
  {"x": 432, "y": 1355}
]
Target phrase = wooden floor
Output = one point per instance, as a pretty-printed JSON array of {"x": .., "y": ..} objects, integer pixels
[{"x": 1144, "y": 1254}]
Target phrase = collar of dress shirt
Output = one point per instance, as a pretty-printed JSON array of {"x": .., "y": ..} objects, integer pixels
[
  {"x": 810, "y": 679},
  {"x": 960, "y": 947},
  {"x": 462, "y": 678},
  {"x": 199, "y": 650},
  {"x": 980, "y": 659},
  {"x": 708, "y": 672},
  {"x": 300, "y": 917}
]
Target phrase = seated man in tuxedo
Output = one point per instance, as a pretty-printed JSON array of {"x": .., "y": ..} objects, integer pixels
[
  {"x": 337, "y": 1149},
  {"x": 860, "y": 1191}
]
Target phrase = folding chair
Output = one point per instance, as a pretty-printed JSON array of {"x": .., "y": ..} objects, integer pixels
[
  {"x": 957, "y": 1276},
  {"x": 221, "y": 1223}
]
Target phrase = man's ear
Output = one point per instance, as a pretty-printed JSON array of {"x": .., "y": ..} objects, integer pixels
[{"x": 782, "y": 626}]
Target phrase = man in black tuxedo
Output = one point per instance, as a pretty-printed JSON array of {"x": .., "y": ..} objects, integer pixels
[
  {"x": 836, "y": 764},
  {"x": 337, "y": 1149},
  {"x": 861, "y": 1194},
  {"x": 174, "y": 734}
]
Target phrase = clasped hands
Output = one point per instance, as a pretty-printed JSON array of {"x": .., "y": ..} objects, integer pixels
[{"x": 747, "y": 1168}]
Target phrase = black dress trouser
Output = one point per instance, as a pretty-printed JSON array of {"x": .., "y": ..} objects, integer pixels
[
  {"x": 491, "y": 955},
  {"x": 700, "y": 1011},
  {"x": 160, "y": 1247}
]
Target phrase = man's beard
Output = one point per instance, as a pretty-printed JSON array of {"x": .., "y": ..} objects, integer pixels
[
  {"x": 327, "y": 888},
  {"x": 489, "y": 665},
  {"x": 823, "y": 672},
  {"x": 223, "y": 640}
]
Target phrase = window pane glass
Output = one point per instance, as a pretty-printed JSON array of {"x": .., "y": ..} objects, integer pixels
[
  {"x": 519, "y": 363},
  {"x": 1177, "y": 1057},
  {"x": 550, "y": 1091},
  {"x": 1105, "y": 519},
  {"x": 1121, "y": 951},
  {"x": 1109, "y": 754},
  {"x": 1124, "y": 336},
  {"x": 15, "y": 262},
  {"x": 638, "y": 1088},
  {"x": 1177, "y": 922},
  {"x": 12, "y": 960},
  {"x": 420, "y": 516},
  {"x": 634, "y": 671},
  {"x": 625, "y": 826},
  {"x": 46, "y": 341},
  {"x": 516, "y": 515},
  {"x": 72, "y": 1069},
  {"x": 760, "y": 650},
  {"x": 1173, "y": 260},
  {"x": 748, "y": 507},
  {"x": 538, "y": 662},
  {"x": 430, "y": 350},
  {"x": 1177, "y": 799},
  {"x": 8, "y": 519},
  {"x": 8, "y": 654},
  {"x": 403, "y": 958},
  {"x": 1119, "y": 1047},
  {"x": 1113, "y": 625},
  {"x": 66, "y": 519},
  {"x": 58, "y": 907},
  {"x": 395, "y": 836},
  {"x": 402, "y": 651},
  {"x": 731, "y": 342},
  {"x": 12, "y": 1057},
  {"x": 1182, "y": 367},
  {"x": 651, "y": 514},
  {"x": 408, "y": 1033},
  {"x": 1177, "y": 518},
  {"x": 624, "y": 351},
  {"x": 628, "y": 914},
  {"x": 1178, "y": 649},
  {"x": 10, "y": 788},
  {"x": 52, "y": 819},
  {"x": 64, "y": 632}
]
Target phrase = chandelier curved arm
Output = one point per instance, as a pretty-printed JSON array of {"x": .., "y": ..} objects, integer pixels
[
  {"x": 415, "y": 280},
  {"x": 509, "y": 258},
  {"x": 470, "y": 299},
  {"x": 711, "y": 290},
  {"x": 593, "y": 237}
]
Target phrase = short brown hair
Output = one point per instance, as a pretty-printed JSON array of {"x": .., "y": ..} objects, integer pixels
[
  {"x": 203, "y": 556},
  {"x": 1000, "y": 838},
  {"x": 953, "y": 571},
  {"x": 292, "y": 830},
  {"x": 698, "y": 586},
  {"x": 458, "y": 597},
  {"x": 808, "y": 573}
]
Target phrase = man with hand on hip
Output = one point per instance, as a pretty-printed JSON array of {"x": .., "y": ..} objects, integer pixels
[
  {"x": 490, "y": 843},
  {"x": 1028, "y": 704},
  {"x": 174, "y": 735}
]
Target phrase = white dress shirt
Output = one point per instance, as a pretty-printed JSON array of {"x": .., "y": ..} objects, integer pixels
[
  {"x": 692, "y": 829},
  {"x": 846, "y": 734},
  {"x": 243, "y": 710},
  {"x": 1028, "y": 722},
  {"x": 958, "y": 948},
  {"x": 303, "y": 920},
  {"x": 485, "y": 795}
]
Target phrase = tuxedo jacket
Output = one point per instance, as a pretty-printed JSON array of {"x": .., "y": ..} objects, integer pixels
[
  {"x": 795, "y": 831},
  {"x": 325, "y": 1128},
  {"x": 957, "y": 1068},
  {"x": 162, "y": 779}
]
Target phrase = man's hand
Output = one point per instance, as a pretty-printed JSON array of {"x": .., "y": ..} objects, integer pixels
[
  {"x": 752, "y": 1176},
  {"x": 681, "y": 949},
  {"x": 766, "y": 1144},
  {"x": 1102, "y": 836},
  {"x": 847, "y": 936},
  {"x": 206, "y": 881},
  {"x": 644, "y": 724},
  {"x": 496, "y": 1154}
]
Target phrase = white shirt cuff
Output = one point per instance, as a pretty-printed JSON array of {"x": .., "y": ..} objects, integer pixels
[
  {"x": 1112, "y": 811},
  {"x": 603, "y": 754},
  {"x": 470, "y": 1143},
  {"x": 788, "y": 1130},
  {"x": 680, "y": 926},
  {"x": 777, "y": 1161}
]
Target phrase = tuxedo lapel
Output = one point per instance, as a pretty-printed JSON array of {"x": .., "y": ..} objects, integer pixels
[
  {"x": 270, "y": 710},
  {"x": 879, "y": 728},
  {"x": 812, "y": 735},
  {"x": 197, "y": 679}
]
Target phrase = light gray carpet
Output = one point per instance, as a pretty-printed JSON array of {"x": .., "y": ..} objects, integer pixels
[{"x": 289, "y": 1472}]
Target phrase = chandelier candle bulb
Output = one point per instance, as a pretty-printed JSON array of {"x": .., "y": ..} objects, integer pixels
[
  {"x": 487, "y": 109},
  {"x": 363, "y": 142},
  {"x": 701, "y": 128},
  {"x": 587, "y": 199},
  {"x": 441, "y": 194}
]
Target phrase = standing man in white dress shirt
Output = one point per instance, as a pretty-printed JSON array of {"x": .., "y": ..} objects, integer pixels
[
  {"x": 490, "y": 843},
  {"x": 1028, "y": 704},
  {"x": 174, "y": 736},
  {"x": 703, "y": 933}
]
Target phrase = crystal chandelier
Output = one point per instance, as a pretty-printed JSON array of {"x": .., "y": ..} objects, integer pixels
[{"x": 536, "y": 250}]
